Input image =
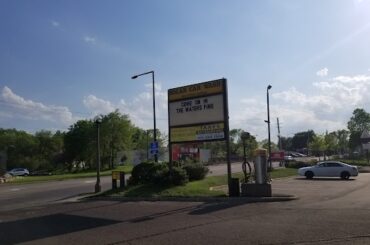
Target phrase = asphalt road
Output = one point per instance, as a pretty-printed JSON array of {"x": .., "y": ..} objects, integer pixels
[
  {"x": 16, "y": 196},
  {"x": 328, "y": 211}
]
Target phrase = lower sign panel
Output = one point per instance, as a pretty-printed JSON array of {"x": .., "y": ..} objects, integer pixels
[{"x": 203, "y": 132}]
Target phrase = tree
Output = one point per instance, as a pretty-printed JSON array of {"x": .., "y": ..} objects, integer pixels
[
  {"x": 287, "y": 143},
  {"x": 265, "y": 144},
  {"x": 318, "y": 145},
  {"x": 359, "y": 122},
  {"x": 301, "y": 140},
  {"x": 115, "y": 135},
  {"x": 251, "y": 144},
  {"x": 79, "y": 144},
  {"x": 343, "y": 143},
  {"x": 21, "y": 148},
  {"x": 331, "y": 142}
]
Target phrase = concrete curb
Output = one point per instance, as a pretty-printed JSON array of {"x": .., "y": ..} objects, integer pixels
[{"x": 274, "y": 198}]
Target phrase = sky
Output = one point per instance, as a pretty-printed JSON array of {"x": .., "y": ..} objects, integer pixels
[{"x": 63, "y": 61}]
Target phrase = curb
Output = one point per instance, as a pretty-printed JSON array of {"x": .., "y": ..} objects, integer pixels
[{"x": 274, "y": 198}]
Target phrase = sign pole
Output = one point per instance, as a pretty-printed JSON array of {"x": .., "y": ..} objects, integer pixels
[{"x": 227, "y": 135}]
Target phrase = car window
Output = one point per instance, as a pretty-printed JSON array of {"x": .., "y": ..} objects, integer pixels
[{"x": 333, "y": 164}]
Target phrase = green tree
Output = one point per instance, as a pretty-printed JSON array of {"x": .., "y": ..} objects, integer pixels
[
  {"x": 287, "y": 143},
  {"x": 317, "y": 145},
  {"x": 79, "y": 144},
  {"x": 115, "y": 135},
  {"x": 301, "y": 140},
  {"x": 359, "y": 122},
  {"x": 343, "y": 137},
  {"x": 21, "y": 148},
  {"x": 331, "y": 142}
]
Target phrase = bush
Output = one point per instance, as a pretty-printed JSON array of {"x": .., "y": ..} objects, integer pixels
[
  {"x": 157, "y": 173},
  {"x": 143, "y": 173},
  {"x": 196, "y": 171},
  {"x": 295, "y": 164},
  {"x": 179, "y": 176}
]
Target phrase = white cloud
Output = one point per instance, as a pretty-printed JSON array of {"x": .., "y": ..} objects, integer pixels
[
  {"x": 89, "y": 39},
  {"x": 140, "y": 109},
  {"x": 98, "y": 106},
  {"x": 18, "y": 107},
  {"x": 55, "y": 23},
  {"x": 329, "y": 108},
  {"x": 323, "y": 72}
]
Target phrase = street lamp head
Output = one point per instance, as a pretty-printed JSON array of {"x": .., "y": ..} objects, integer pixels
[
  {"x": 134, "y": 77},
  {"x": 269, "y": 87}
]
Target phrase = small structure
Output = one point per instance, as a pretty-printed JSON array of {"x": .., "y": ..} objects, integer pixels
[{"x": 261, "y": 186}]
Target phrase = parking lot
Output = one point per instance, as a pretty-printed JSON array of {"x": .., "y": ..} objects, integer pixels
[{"x": 328, "y": 211}]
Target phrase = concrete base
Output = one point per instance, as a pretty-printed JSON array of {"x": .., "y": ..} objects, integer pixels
[{"x": 256, "y": 190}]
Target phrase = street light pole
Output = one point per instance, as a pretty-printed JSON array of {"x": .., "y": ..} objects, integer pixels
[
  {"x": 268, "y": 123},
  {"x": 154, "y": 118},
  {"x": 97, "y": 185}
]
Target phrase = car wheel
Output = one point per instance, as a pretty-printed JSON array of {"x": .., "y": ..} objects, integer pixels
[
  {"x": 309, "y": 175},
  {"x": 345, "y": 175}
]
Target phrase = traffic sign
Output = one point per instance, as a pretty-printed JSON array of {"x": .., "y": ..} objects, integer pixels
[
  {"x": 154, "y": 148},
  {"x": 154, "y": 145},
  {"x": 365, "y": 137}
]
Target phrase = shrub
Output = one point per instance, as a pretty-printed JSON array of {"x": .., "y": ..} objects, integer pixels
[
  {"x": 295, "y": 164},
  {"x": 196, "y": 171},
  {"x": 159, "y": 174},
  {"x": 147, "y": 172},
  {"x": 179, "y": 176}
]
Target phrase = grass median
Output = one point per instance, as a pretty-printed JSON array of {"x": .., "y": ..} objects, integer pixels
[
  {"x": 212, "y": 186},
  {"x": 59, "y": 177}
]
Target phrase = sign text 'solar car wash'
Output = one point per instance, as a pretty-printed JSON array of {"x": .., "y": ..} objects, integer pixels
[{"x": 198, "y": 112}]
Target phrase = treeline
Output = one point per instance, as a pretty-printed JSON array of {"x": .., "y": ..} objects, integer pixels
[
  {"x": 46, "y": 150},
  {"x": 76, "y": 147},
  {"x": 345, "y": 141}
]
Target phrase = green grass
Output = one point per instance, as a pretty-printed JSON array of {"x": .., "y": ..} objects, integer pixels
[
  {"x": 357, "y": 162},
  {"x": 32, "y": 179},
  {"x": 200, "y": 188}
]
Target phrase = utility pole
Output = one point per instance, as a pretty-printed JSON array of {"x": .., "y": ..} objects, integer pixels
[{"x": 279, "y": 138}]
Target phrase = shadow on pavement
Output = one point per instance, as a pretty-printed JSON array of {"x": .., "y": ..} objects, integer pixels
[
  {"x": 324, "y": 179},
  {"x": 46, "y": 226},
  {"x": 211, "y": 207}
]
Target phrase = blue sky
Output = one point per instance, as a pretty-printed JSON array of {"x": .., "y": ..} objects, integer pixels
[{"x": 61, "y": 61}]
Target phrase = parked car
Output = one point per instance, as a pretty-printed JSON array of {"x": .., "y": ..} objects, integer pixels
[
  {"x": 19, "y": 172},
  {"x": 329, "y": 169},
  {"x": 41, "y": 173},
  {"x": 288, "y": 158}
]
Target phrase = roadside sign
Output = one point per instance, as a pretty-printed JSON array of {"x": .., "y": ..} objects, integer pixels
[
  {"x": 198, "y": 112},
  {"x": 277, "y": 156},
  {"x": 154, "y": 148},
  {"x": 365, "y": 137},
  {"x": 154, "y": 145},
  {"x": 366, "y": 146}
]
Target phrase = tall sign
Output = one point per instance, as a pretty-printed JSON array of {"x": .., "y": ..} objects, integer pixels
[{"x": 199, "y": 112}]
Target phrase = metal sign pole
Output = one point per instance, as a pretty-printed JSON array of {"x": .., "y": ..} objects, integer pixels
[{"x": 227, "y": 135}]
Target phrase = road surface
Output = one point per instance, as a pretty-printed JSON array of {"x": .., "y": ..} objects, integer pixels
[
  {"x": 329, "y": 211},
  {"x": 15, "y": 196}
]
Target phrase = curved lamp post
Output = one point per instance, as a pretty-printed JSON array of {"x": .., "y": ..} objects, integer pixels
[
  {"x": 268, "y": 125},
  {"x": 97, "y": 185},
  {"x": 154, "y": 120}
]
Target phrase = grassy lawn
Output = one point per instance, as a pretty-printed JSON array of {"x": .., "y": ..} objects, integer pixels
[
  {"x": 32, "y": 179},
  {"x": 194, "y": 188},
  {"x": 357, "y": 162}
]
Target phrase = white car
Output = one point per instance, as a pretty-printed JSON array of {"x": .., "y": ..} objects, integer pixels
[
  {"x": 329, "y": 169},
  {"x": 19, "y": 172}
]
